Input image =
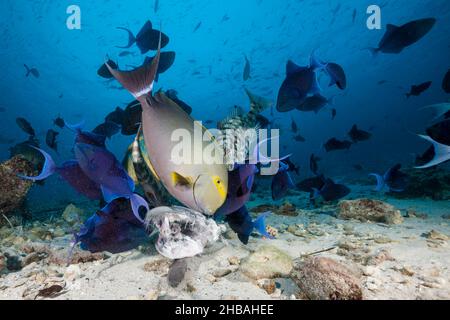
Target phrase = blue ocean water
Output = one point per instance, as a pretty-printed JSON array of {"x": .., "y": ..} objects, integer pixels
[{"x": 207, "y": 72}]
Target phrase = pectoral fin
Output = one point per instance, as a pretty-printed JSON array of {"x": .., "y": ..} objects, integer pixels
[{"x": 180, "y": 181}]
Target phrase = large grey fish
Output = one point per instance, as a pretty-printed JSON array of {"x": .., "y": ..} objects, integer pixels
[
  {"x": 200, "y": 186},
  {"x": 397, "y": 38}
]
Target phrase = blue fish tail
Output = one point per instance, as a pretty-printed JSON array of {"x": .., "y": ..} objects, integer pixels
[
  {"x": 315, "y": 194},
  {"x": 260, "y": 225},
  {"x": 380, "y": 181},
  {"x": 75, "y": 127},
  {"x": 136, "y": 202},
  {"x": 47, "y": 170},
  {"x": 131, "y": 38}
]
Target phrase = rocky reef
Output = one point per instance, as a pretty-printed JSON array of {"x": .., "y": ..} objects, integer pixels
[
  {"x": 13, "y": 189},
  {"x": 369, "y": 210}
]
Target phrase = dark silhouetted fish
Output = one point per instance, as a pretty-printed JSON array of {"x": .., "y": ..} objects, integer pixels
[
  {"x": 107, "y": 129},
  {"x": 33, "y": 71},
  {"x": 25, "y": 126},
  {"x": 132, "y": 118},
  {"x": 333, "y": 113},
  {"x": 394, "y": 179},
  {"x": 446, "y": 82},
  {"x": 197, "y": 26},
  {"x": 294, "y": 127},
  {"x": 417, "y": 90},
  {"x": 314, "y": 103},
  {"x": 104, "y": 72},
  {"x": 147, "y": 39},
  {"x": 331, "y": 191},
  {"x": 246, "y": 74},
  {"x": 117, "y": 116},
  {"x": 113, "y": 229},
  {"x": 241, "y": 223},
  {"x": 335, "y": 144},
  {"x": 50, "y": 139},
  {"x": 396, "y": 38},
  {"x": 166, "y": 60},
  {"x": 440, "y": 132},
  {"x": 358, "y": 135},
  {"x": 337, "y": 75},
  {"x": 354, "y": 16},
  {"x": 27, "y": 149},
  {"x": 313, "y": 163},
  {"x": 299, "y": 138},
  {"x": 281, "y": 182},
  {"x": 308, "y": 185},
  {"x": 156, "y": 6},
  {"x": 173, "y": 95},
  {"x": 59, "y": 122},
  {"x": 292, "y": 167},
  {"x": 225, "y": 18},
  {"x": 425, "y": 157}
]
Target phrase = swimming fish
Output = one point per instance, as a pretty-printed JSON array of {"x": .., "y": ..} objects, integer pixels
[
  {"x": 446, "y": 82},
  {"x": 314, "y": 103},
  {"x": 59, "y": 122},
  {"x": 197, "y": 26},
  {"x": 25, "y": 126},
  {"x": 33, "y": 71},
  {"x": 113, "y": 229},
  {"x": 358, "y": 135},
  {"x": 103, "y": 71},
  {"x": 309, "y": 184},
  {"x": 246, "y": 73},
  {"x": 241, "y": 223},
  {"x": 337, "y": 75},
  {"x": 333, "y": 113},
  {"x": 335, "y": 144},
  {"x": 166, "y": 60},
  {"x": 313, "y": 163},
  {"x": 394, "y": 179},
  {"x": 331, "y": 191},
  {"x": 147, "y": 39},
  {"x": 107, "y": 129},
  {"x": 50, "y": 139},
  {"x": 299, "y": 138},
  {"x": 294, "y": 127},
  {"x": 27, "y": 150},
  {"x": 397, "y": 38},
  {"x": 292, "y": 167},
  {"x": 201, "y": 187},
  {"x": 417, "y": 90},
  {"x": 281, "y": 182},
  {"x": 156, "y": 6},
  {"x": 441, "y": 153}
]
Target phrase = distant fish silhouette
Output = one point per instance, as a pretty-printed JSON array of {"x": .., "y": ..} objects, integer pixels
[
  {"x": 33, "y": 71},
  {"x": 417, "y": 90},
  {"x": 246, "y": 74}
]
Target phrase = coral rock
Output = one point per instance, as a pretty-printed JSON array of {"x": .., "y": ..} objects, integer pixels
[
  {"x": 267, "y": 262},
  {"x": 13, "y": 189},
  {"x": 322, "y": 278},
  {"x": 72, "y": 214},
  {"x": 369, "y": 210}
]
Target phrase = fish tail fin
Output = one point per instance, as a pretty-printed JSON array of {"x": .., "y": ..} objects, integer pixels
[
  {"x": 380, "y": 181},
  {"x": 47, "y": 170},
  {"x": 441, "y": 151},
  {"x": 315, "y": 62},
  {"x": 131, "y": 38},
  {"x": 136, "y": 202},
  {"x": 315, "y": 194},
  {"x": 260, "y": 224},
  {"x": 75, "y": 127},
  {"x": 28, "y": 70},
  {"x": 139, "y": 82}
]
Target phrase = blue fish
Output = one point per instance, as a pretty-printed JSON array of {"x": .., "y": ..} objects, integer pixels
[
  {"x": 394, "y": 179},
  {"x": 241, "y": 223}
]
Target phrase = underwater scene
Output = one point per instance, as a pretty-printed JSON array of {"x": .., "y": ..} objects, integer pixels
[{"x": 225, "y": 150}]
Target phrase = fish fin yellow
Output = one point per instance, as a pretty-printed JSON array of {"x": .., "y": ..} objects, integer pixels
[{"x": 180, "y": 181}]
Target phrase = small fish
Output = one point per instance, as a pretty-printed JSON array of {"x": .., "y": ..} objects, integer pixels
[
  {"x": 331, "y": 191},
  {"x": 246, "y": 73},
  {"x": 337, "y": 75},
  {"x": 333, "y": 113},
  {"x": 25, "y": 126},
  {"x": 417, "y": 90},
  {"x": 59, "y": 122},
  {"x": 358, "y": 135},
  {"x": 294, "y": 127},
  {"x": 446, "y": 82},
  {"x": 241, "y": 223},
  {"x": 225, "y": 18},
  {"x": 197, "y": 26},
  {"x": 33, "y": 71},
  {"x": 147, "y": 38},
  {"x": 50, "y": 139},
  {"x": 397, "y": 38},
  {"x": 335, "y": 144},
  {"x": 103, "y": 70},
  {"x": 299, "y": 138},
  {"x": 107, "y": 129},
  {"x": 394, "y": 179},
  {"x": 313, "y": 163}
]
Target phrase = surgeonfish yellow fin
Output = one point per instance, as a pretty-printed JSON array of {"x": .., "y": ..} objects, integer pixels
[
  {"x": 180, "y": 181},
  {"x": 128, "y": 164}
]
